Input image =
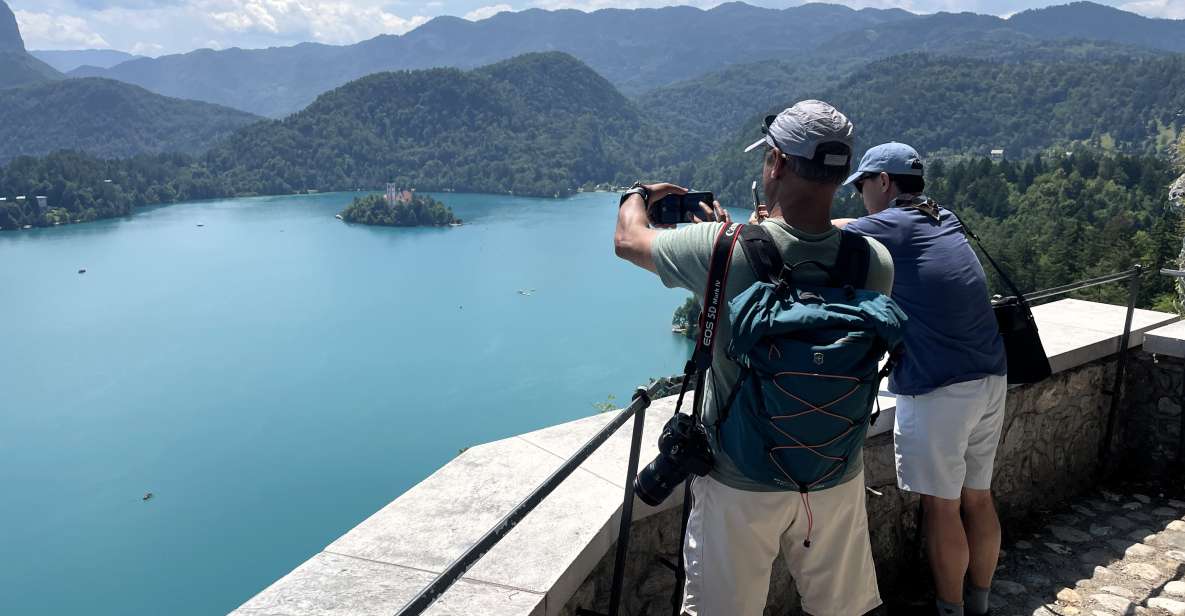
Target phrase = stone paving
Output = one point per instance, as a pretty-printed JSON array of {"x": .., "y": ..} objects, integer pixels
[{"x": 1106, "y": 554}]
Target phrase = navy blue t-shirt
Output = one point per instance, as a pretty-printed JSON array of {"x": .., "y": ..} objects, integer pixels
[{"x": 952, "y": 336}]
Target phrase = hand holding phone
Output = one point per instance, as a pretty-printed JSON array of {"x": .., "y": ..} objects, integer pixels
[{"x": 674, "y": 209}]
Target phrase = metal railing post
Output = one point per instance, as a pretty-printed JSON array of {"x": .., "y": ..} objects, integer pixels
[
  {"x": 1133, "y": 290},
  {"x": 627, "y": 510}
]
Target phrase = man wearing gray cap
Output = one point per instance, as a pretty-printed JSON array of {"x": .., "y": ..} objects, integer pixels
[
  {"x": 737, "y": 525},
  {"x": 950, "y": 383}
]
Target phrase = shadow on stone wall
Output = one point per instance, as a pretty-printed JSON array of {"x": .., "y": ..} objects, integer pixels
[{"x": 1152, "y": 417}]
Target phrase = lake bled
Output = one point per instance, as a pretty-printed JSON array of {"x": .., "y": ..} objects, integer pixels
[{"x": 274, "y": 376}]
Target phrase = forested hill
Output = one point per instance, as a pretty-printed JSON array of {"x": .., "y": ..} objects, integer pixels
[
  {"x": 1096, "y": 21},
  {"x": 109, "y": 119},
  {"x": 966, "y": 107},
  {"x": 539, "y": 124},
  {"x": 17, "y": 67}
]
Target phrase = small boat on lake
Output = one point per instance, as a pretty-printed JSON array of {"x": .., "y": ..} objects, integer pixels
[{"x": 82, "y": 271}]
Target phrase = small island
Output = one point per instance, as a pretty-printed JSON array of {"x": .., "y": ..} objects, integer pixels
[{"x": 399, "y": 209}]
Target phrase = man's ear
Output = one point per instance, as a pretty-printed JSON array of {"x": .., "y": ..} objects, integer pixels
[
  {"x": 884, "y": 181},
  {"x": 777, "y": 167}
]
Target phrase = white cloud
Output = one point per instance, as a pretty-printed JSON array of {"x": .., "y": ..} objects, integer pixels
[
  {"x": 486, "y": 12},
  {"x": 46, "y": 31},
  {"x": 1168, "y": 9},
  {"x": 326, "y": 21},
  {"x": 146, "y": 49}
]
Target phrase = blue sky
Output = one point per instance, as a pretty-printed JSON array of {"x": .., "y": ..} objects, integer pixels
[{"x": 156, "y": 27}]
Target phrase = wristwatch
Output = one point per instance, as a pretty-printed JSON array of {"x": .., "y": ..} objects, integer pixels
[{"x": 637, "y": 189}]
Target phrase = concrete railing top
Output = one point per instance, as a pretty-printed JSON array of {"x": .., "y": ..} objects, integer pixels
[
  {"x": 1168, "y": 340},
  {"x": 379, "y": 565}
]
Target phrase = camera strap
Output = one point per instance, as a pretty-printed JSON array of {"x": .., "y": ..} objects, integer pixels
[{"x": 709, "y": 317}]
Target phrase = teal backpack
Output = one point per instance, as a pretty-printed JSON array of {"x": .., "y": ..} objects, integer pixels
[{"x": 798, "y": 415}]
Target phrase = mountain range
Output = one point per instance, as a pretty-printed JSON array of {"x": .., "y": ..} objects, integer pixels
[
  {"x": 68, "y": 60},
  {"x": 678, "y": 43}
]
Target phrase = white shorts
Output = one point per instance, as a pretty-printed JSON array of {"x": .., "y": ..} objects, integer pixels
[
  {"x": 734, "y": 535},
  {"x": 946, "y": 440}
]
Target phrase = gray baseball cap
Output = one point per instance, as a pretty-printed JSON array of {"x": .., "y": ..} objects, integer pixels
[
  {"x": 892, "y": 158},
  {"x": 800, "y": 129}
]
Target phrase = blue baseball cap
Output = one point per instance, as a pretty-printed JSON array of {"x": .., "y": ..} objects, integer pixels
[{"x": 892, "y": 158}]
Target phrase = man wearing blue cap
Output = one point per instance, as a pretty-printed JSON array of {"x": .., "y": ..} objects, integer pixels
[
  {"x": 950, "y": 383},
  {"x": 737, "y": 526}
]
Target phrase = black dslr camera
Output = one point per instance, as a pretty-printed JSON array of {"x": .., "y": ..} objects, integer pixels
[{"x": 682, "y": 450}]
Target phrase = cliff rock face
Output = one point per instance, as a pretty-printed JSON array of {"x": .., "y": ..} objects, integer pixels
[{"x": 10, "y": 35}]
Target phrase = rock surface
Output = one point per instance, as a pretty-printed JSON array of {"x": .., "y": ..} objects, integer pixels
[{"x": 1102, "y": 575}]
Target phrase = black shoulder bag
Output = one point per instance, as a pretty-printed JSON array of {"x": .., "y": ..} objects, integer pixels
[{"x": 1027, "y": 361}]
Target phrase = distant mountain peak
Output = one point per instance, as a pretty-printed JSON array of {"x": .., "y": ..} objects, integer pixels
[{"x": 10, "y": 34}]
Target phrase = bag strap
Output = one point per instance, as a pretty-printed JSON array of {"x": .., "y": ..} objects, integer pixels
[
  {"x": 999, "y": 270},
  {"x": 709, "y": 316},
  {"x": 851, "y": 262},
  {"x": 762, "y": 253}
]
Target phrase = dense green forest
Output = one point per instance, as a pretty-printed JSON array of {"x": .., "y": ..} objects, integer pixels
[
  {"x": 950, "y": 107},
  {"x": 540, "y": 124},
  {"x": 109, "y": 119},
  {"x": 78, "y": 189},
  {"x": 420, "y": 211}
]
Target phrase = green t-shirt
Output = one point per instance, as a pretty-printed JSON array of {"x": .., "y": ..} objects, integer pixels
[{"x": 681, "y": 257}]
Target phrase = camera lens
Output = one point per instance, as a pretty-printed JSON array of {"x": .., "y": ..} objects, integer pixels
[{"x": 658, "y": 480}]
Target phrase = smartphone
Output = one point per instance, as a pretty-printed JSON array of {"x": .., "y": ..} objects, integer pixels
[
  {"x": 674, "y": 209},
  {"x": 756, "y": 199}
]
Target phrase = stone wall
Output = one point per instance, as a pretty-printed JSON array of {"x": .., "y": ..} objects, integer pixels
[
  {"x": 1151, "y": 415},
  {"x": 1049, "y": 452}
]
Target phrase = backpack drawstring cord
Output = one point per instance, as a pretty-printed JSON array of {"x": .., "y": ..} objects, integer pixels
[{"x": 810, "y": 517}]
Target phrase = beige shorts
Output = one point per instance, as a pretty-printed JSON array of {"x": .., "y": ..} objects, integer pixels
[
  {"x": 734, "y": 535},
  {"x": 946, "y": 440}
]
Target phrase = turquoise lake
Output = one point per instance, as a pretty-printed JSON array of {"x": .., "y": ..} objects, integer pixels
[{"x": 274, "y": 376}]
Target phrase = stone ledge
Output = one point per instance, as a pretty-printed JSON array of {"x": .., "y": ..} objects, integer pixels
[
  {"x": 380, "y": 564},
  {"x": 532, "y": 571}
]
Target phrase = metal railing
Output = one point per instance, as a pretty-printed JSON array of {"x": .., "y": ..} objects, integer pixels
[
  {"x": 641, "y": 401},
  {"x": 1133, "y": 278}
]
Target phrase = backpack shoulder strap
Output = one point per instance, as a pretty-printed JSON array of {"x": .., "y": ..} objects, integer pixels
[
  {"x": 851, "y": 263},
  {"x": 762, "y": 252}
]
